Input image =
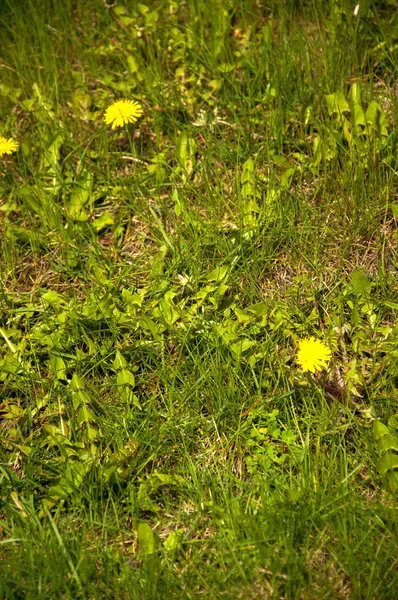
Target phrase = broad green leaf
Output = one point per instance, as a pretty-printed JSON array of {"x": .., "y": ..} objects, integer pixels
[
  {"x": 80, "y": 196},
  {"x": 167, "y": 479},
  {"x": 135, "y": 401},
  {"x": 376, "y": 118},
  {"x": 248, "y": 177},
  {"x": 204, "y": 292},
  {"x": 142, "y": 8},
  {"x": 355, "y": 93},
  {"x": 182, "y": 149},
  {"x": 150, "y": 325},
  {"x": 146, "y": 539},
  {"x": 393, "y": 422},
  {"x": 126, "y": 453},
  {"x": 76, "y": 382},
  {"x": 119, "y": 10},
  {"x": 85, "y": 415},
  {"x": 58, "y": 367},
  {"x": 27, "y": 194},
  {"x": 81, "y": 103},
  {"x": 28, "y": 103},
  {"x": 287, "y": 178},
  {"x": 103, "y": 221},
  {"x": 133, "y": 299},
  {"x": 260, "y": 309},
  {"x": 132, "y": 64},
  {"x": 337, "y": 103},
  {"x": 218, "y": 274},
  {"x": 173, "y": 541},
  {"x": 46, "y": 111},
  {"x": 215, "y": 84},
  {"x": 125, "y": 377},
  {"x": 225, "y": 67},
  {"x": 248, "y": 166},
  {"x": 128, "y": 397},
  {"x": 241, "y": 346},
  {"x": 243, "y": 316},
  {"x": 185, "y": 150},
  {"x": 18, "y": 503},
  {"x": 387, "y": 443},
  {"x": 126, "y": 21},
  {"x": 394, "y": 208},
  {"x": 5, "y": 90},
  {"x": 53, "y": 299},
  {"x": 91, "y": 432},
  {"x": 52, "y": 154},
  {"x": 166, "y": 309},
  {"x": 359, "y": 116},
  {"x": 361, "y": 284},
  {"x": 119, "y": 362},
  {"x": 61, "y": 490},
  {"x": 393, "y": 480},
  {"x": 388, "y": 462},
  {"x": 25, "y": 236}
]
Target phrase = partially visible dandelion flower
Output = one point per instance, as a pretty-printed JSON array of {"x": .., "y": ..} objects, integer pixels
[
  {"x": 7, "y": 146},
  {"x": 313, "y": 355},
  {"x": 122, "y": 112}
]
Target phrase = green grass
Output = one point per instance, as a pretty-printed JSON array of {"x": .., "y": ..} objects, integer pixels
[{"x": 158, "y": 439}]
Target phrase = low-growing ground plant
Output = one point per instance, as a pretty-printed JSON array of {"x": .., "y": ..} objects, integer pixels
[{"x": 198, "y": 299}]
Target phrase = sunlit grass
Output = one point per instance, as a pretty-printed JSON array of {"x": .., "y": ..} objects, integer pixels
[{"x": 170, "y": 266}]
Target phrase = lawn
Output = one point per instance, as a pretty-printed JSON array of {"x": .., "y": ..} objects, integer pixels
[{"x": 198, "y": 308}]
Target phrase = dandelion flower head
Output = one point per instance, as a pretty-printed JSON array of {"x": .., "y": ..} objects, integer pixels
[
  {"x": 7, "y": 146},
  {"x": 122, "y": 112},
  {"x": 313, "y": 355}
]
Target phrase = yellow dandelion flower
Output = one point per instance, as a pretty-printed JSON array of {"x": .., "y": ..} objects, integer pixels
[
  {"x": 7, "y": 146},
  {"x": 122, "y": 112},
  {"x": 313, "y": 355}
]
